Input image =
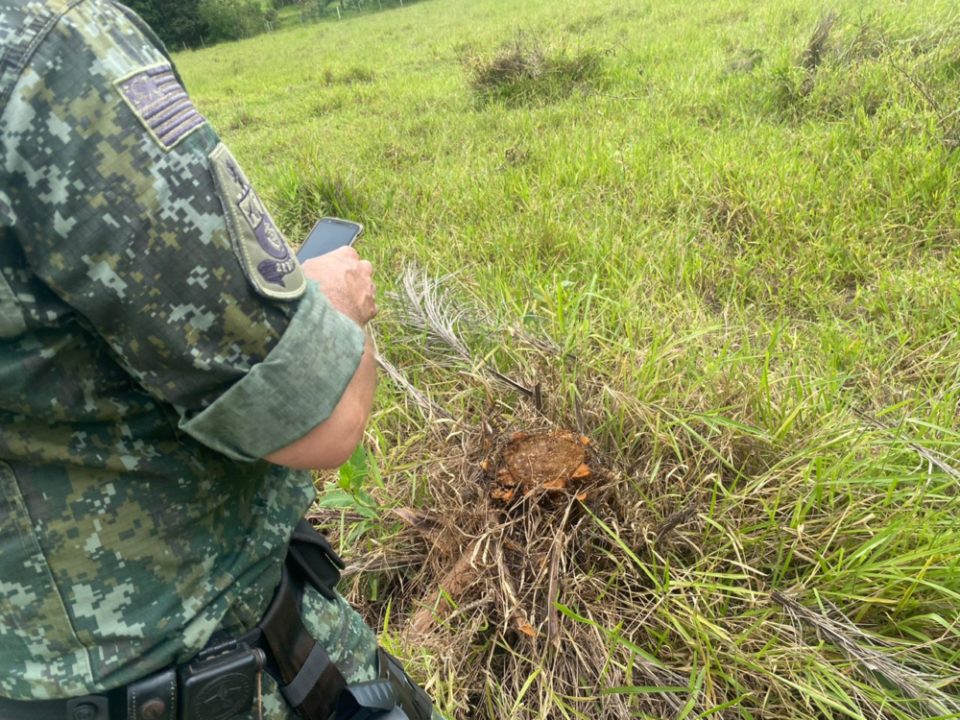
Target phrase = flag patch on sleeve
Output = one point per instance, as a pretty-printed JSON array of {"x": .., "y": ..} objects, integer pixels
[{"x": 161, "y": 103}]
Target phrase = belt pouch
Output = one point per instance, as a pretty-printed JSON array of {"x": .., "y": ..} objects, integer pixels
[
  {"x": 154, "y": 697},
  {"x": 220, "y": 684}
]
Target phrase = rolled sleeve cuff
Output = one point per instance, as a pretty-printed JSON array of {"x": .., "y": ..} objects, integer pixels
[{"x": 293, "y": 390}]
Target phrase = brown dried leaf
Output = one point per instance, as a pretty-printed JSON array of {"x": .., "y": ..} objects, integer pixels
[
  {"x": 582, "y": 472},
  {"x": 527, "y": 629},
  {"x": 557, "y": 484}
]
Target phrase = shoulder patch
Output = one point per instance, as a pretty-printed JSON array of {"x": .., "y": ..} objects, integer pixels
[
  {"x": 264, "y": 254},
  {"x": 160, "y": 102}
]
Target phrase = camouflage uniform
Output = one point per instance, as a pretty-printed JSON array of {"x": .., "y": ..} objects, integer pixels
[{"x": 156, "y": 339}]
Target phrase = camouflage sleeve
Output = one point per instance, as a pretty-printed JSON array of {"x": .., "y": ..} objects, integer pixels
[{"x": 131, "y": 210}]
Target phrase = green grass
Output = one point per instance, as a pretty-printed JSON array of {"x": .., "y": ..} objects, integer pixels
[{"x": 748, "y": 260}]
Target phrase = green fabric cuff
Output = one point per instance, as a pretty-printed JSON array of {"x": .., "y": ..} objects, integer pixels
[{"x": 293, "y": 390}]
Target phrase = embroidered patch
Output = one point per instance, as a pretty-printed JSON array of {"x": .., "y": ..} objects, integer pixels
[
  {"x": 267, "y": 259},
  {"x": 158, "y": 99}
]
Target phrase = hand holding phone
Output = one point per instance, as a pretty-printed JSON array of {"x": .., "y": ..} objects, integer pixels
[
  {"x": 344, "y": 278},
  {"x": 327, "y": 235}
]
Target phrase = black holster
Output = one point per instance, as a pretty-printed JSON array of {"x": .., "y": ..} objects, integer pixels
[{"x": 309, "y": 680}]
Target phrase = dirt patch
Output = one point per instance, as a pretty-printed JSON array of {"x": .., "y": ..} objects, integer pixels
[
  {"x": 535, "y": 480},
  {"x": 539, "y": 464}
]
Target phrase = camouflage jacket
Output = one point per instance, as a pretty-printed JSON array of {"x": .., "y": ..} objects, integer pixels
[{"x": 157, "y": 338}]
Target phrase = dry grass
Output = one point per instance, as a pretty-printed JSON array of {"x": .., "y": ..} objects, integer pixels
[
  {"x": 814, "y": 52},
  {"x": 523, "y": 71},
  {"x": 600, "y": 598}
]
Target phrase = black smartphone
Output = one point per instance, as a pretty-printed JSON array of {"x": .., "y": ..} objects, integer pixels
[{"x": 328, "y": 234}]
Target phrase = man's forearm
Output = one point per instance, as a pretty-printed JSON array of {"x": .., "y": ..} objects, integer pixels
[{"x": 331, "y": 443}]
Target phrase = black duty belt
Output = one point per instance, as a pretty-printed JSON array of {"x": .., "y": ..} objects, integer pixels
[{"x": 222, "y": 681}]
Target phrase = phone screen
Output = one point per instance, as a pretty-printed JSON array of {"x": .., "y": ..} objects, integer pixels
[{"x": 327, "y": 235}]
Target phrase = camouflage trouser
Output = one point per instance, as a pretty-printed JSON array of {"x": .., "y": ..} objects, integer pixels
[{"x": 348, "y": 640}]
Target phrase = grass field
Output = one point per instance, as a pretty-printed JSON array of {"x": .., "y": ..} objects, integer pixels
[{"x": 723, "y": 239}]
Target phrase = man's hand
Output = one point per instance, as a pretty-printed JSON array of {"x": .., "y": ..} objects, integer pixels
[{"x": 347, "y": 281}]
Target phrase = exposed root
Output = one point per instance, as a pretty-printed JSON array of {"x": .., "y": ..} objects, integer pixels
[{"x": 452, "y": 587}]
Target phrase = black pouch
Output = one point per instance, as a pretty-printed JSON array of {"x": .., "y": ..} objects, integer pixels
[{"x": 221, "y": 682}]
